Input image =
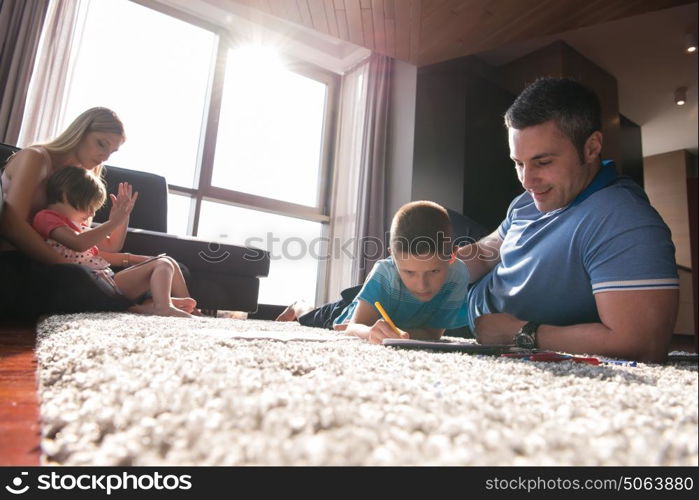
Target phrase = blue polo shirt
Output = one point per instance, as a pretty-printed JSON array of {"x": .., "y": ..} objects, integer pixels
[{"x": 553, "y": 263}]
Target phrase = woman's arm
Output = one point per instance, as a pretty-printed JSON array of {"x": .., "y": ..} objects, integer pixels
[{"x": 28, "y": 173}]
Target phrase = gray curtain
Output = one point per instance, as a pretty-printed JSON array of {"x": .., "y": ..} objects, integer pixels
[
  {"x": 371, "y": 211},
  {"x": 20, "y": 29},
  {"x": 46, "y": 97}
]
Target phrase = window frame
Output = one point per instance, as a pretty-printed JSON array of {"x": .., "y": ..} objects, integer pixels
[
  {"x": 203, "y": 171},
  {"x": 205, "y": 189}
]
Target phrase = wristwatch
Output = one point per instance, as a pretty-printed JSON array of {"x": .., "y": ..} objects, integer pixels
[{"x": 526, "y": 336}]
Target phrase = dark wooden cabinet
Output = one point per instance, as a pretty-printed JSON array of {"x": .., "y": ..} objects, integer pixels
[
  {"x": 631, "y": 152},
  {"x": 461, "y": 156},
  {"x": 490, "y": 180}
]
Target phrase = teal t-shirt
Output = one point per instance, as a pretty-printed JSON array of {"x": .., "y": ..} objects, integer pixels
[{"x": 447, "y": 309}]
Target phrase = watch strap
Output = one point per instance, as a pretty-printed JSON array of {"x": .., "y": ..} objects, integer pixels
[{"x": 530, "y": 328}]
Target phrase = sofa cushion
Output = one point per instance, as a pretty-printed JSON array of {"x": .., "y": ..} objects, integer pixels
[
  {"x": 224, "y": 291},
  {"x": 200, "y": 255},
  {"x": 150, "y": 211},
  {"x": 30, "y": 289}
]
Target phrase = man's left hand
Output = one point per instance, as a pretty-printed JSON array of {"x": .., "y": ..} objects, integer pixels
[{"x": 497, "y": 328}]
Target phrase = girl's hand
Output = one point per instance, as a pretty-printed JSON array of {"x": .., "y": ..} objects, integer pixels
[{"x": 122, "y": 203}]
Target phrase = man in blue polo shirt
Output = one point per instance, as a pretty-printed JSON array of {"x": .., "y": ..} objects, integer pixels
[{"x": 582, "y": 263}]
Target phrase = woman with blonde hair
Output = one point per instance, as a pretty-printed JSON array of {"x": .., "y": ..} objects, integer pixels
[{"x": 87, "y": 143}]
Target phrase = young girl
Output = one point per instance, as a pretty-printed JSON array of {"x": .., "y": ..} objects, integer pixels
[{"x": 73, "y": 195}]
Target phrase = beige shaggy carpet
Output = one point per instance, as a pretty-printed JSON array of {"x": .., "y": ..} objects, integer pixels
[{"x": 121, "y": 389}]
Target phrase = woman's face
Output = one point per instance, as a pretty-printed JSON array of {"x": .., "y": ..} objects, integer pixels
[{"x": 96, "y": 148}]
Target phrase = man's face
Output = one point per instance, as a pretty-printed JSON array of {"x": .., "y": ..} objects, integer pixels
[
  {"x": 422, "y": 275},
  {"x": 548, "y": 165}
]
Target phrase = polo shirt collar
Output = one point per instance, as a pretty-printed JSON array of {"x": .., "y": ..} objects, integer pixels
[{"x": 607, "y": 175}]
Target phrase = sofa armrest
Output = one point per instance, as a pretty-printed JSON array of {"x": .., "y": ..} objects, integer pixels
[
  {"x": 200, "y": 255},
  {"x": 220, "y": 276}
]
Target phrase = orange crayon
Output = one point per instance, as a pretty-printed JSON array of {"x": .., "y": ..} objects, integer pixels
[{"x": 386, "y": 317}]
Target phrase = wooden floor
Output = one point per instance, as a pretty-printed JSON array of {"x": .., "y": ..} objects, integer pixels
[{"x": 19, "y": 404}]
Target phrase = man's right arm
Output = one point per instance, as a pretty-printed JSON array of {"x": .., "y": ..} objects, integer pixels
[{"x": 482, "y": 256}]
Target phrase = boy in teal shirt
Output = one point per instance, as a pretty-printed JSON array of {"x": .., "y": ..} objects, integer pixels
[{"x": 421, "y": 285}]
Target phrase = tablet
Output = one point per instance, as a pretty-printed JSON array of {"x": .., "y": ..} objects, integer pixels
[{"x": 444, "y": 345}]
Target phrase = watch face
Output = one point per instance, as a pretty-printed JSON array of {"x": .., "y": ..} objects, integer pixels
[{"x": 524, "y": 340}]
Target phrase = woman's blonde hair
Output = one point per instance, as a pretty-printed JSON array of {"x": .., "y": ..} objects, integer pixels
[{"x": 93, "y": 120}]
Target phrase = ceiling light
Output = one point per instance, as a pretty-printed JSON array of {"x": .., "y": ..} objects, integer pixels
[
  {"x": 681, "y": 96},
  {"x": 690, "y": 43}
]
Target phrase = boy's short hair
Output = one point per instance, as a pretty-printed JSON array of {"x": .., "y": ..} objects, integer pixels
[
  {"x": 76, "y": 186},
  {"x": 573, "y": 107},
  {"x": 420, "y": 228}
]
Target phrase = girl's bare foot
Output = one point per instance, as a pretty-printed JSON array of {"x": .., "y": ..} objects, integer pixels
[
  {"x": 186, "y": 304},
  {"x": 170, "y": 310},
  {"x": 142, "y": 308},
  {"x": 150, "y": 309},
  {"x": 287, "y": 314}
]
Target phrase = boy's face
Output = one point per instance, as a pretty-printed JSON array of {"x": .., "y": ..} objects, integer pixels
[
  {"x": 422, "y": 275},
  {"x": 78, "y": 217}
]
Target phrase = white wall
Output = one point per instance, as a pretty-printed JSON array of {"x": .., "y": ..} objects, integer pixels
[{"x": 399, "y": 175}]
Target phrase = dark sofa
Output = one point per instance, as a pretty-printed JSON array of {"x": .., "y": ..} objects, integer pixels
[{"x": 219, "y": 276}]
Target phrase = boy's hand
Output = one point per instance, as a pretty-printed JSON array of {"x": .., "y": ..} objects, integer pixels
[
  {"x": 122, "y": 203},
  {"x": 382, "y": 330}
]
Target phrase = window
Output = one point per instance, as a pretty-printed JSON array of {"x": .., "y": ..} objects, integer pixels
[
  {"x": 295, "y": 247},
  {"x": 179, "y": 210},
  {"x": 241, "y": 134},
  {"x": 158, "y": 85},
  {"x": 271, "y": 121}
]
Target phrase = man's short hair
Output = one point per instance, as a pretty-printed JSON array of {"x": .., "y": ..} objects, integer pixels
[
  {"x": 421, "y": 228},
  {"x": 82, "y": 189},
  {"x": 573, "y": 107}
]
